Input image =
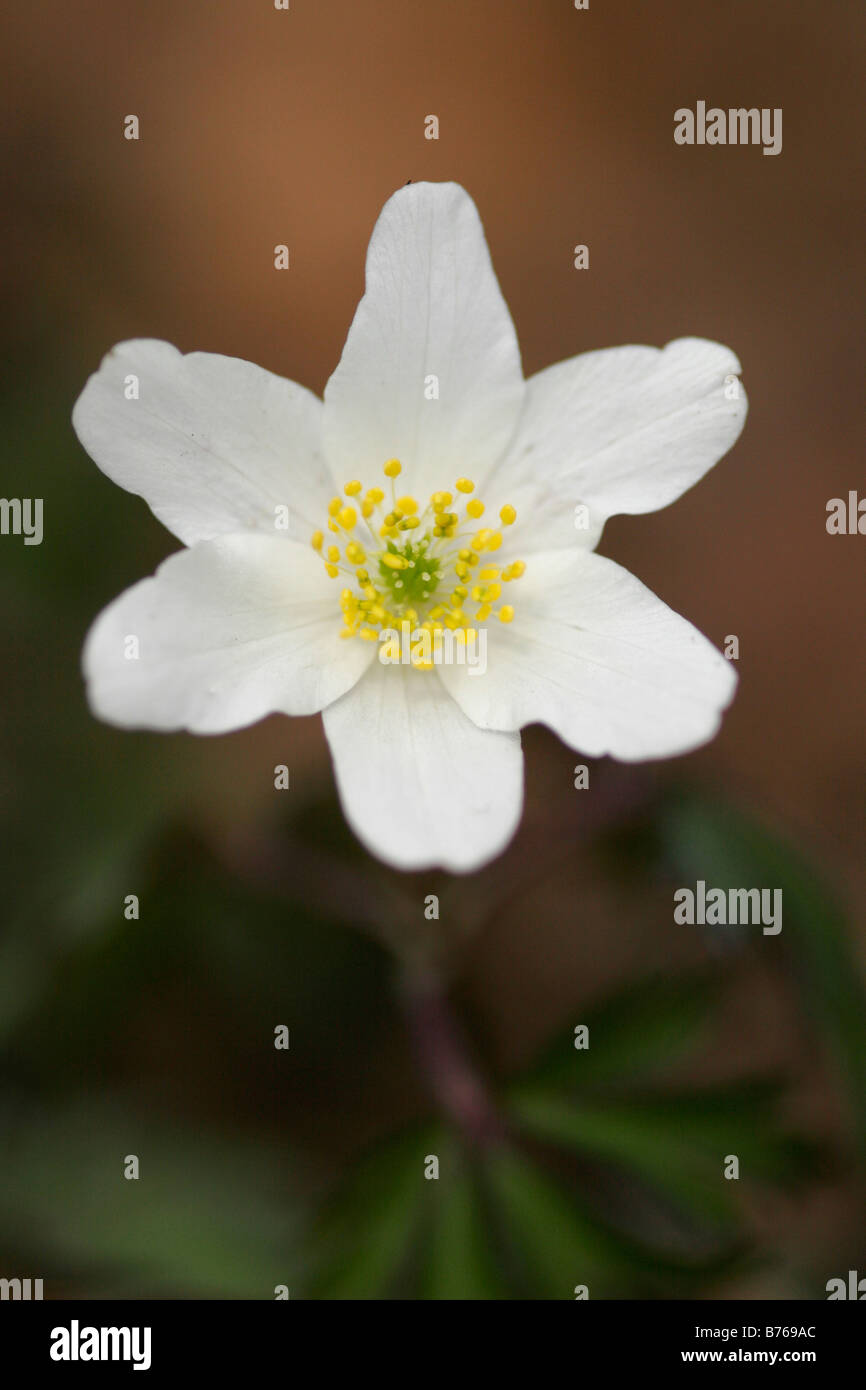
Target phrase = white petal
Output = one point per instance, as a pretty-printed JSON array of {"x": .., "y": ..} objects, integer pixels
[
  {"x": 419, "y": 783},
  {"x": 600, "y": 659},
  {"x": 227, "y": 632},
  {"x": 213, "y": 444},
  {"x": 432, "y": 308},
  {"x": 627, "y": 429}
]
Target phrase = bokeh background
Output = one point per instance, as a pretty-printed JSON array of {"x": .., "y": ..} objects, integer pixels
[{"x": 155, "y": 1037}]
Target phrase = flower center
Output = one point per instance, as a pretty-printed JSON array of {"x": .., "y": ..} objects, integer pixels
[{"x": 426, "y": 567}]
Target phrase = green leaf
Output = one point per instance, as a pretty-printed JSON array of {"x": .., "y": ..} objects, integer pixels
[
  {"x": 668, "y": 1157},
  {"x": 725, "y": 849},
  {"x": 207, "y": 1217},
  {"x": 553, "y": 1245},
  {"x": 365, "y": 1236},
  {"x": 645, "y": 1025},
  {"x": 460, "y": 1261}
]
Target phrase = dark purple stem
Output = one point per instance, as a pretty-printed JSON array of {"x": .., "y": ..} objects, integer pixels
[{"x": 446, "y": 1062}]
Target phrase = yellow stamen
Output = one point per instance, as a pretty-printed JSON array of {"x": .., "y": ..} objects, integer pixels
[{"x": 416, "y": 565}]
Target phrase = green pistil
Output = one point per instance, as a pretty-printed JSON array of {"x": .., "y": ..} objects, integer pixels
[{"x": 416, "y": 584}]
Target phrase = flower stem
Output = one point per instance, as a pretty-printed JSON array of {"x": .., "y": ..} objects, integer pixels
[{"x": 445, "y": 1060}]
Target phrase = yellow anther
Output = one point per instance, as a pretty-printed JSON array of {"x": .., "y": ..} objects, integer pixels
[
  {"x": 506, "y": 613},
  {"x": 416, "y": 570}
]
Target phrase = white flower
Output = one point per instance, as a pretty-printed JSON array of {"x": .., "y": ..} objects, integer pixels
[{"x": 250, "y": 619}]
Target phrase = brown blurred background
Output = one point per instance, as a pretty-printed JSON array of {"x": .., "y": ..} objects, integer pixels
[{"x": 261, "y": 126}]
